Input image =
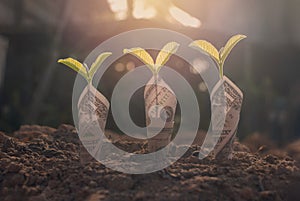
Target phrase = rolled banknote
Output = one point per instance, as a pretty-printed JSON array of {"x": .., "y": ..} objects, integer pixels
[
  {"x": 232, "y": 109},
  {"x": 92, "y": 114},
  {"x": 160, "y": 106}
]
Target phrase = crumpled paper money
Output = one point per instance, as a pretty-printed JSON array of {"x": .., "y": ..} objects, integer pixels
[
  {"x": 234, "y": 98},
  {"x": 92, "y": 110},
  {"x": 160, "y": 105}
]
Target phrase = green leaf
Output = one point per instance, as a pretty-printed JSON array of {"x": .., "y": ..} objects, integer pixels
[
  {"x": 232, "y": 42},
  {"x": 75, "y": 65},
  {"x": 95, "y": 66},
  {"x": 221, "y": 50},
  {"x": 165, "y": 54},
  {"x": 142, "y": 55},
  {"x": 208, "y": 48}
]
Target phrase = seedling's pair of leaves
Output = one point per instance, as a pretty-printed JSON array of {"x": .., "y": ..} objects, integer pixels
[
  {"x": 218, "y": 56},
  {"x": 162, "y": 57},
  {"x": 80, "y": 68}
]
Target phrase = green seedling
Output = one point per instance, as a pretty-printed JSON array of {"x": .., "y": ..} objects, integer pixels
[
  {"x": 161, "y": 59},
  {"x": 82, "y": 68},
  {"x": 218, "y": 56}
]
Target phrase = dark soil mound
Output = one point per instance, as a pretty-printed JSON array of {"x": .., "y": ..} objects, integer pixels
[{"x": 40, "y": 163}]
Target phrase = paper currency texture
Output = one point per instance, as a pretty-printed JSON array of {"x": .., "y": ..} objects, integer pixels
[
  {"x": 92, "y": 110},
  {"x": 234, "y": 98},
  {"x": 160, "y": 107}
]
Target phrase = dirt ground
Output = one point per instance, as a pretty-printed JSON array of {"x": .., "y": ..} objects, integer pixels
[{"x": 41, "y": 163}]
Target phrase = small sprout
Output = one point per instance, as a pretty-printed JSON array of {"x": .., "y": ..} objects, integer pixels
[
  {"x": 162, "y": 58},
  {"x": 82, "y": 69},
  {"x": 218, "y": 56}
]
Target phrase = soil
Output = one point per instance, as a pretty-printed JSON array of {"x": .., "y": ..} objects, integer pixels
[{"x": 40, "y": 163}]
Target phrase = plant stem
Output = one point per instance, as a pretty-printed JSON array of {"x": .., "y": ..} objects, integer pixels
[{"x": 221, "y": 65}]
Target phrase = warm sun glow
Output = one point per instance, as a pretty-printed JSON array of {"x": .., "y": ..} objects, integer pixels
[
  {"x": 148, "y": 9},
  {"x": 140, "y": 11},
  {"x": 184, "y": 18},
  {"x": 119, "y": 7},
  {"x": 120, "y": 67},
  {"x": 130, "y": 66}
]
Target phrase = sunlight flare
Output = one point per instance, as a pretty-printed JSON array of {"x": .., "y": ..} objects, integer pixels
[
  {"x": 119, "y": 8},
  {"x": 184, "y": 18},
  {"x": 141, "y": 11}
]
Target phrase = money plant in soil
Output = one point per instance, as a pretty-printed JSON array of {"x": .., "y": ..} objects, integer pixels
[
  {"x": 83, "y": 69},
  {"x": 161, "y": 59},
  {"x": 218, "y": 56}
]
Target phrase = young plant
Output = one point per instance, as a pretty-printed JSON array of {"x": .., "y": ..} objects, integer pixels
[
  {"x": 82, "y": 69},
  {"x": 162, "y": 58},
  {"x": 218, "y": 56}
]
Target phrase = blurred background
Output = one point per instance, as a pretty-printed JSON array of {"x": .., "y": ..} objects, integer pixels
[{"x": 34, "y": 89}]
